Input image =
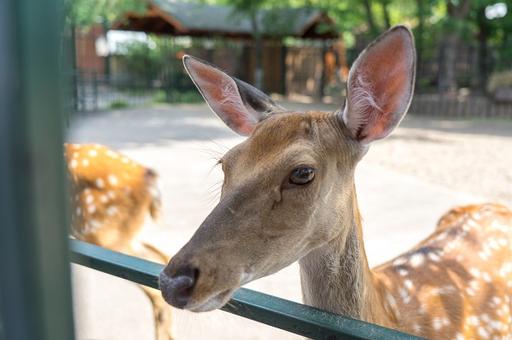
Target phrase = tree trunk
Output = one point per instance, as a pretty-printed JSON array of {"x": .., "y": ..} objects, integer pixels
[
  {"x": 369, "y": 18},
  {"x": 385, "y": 13},
  {"x": 106, "y": 27},
  {"x": 483, "y": 37},
  {"x": 447, "y": 78},
  {"x": 447, "y": 62},
  {"x": 420, "y": 31},
  {"x": 258, "y": 53}
]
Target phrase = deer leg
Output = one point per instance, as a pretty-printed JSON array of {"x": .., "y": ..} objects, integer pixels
[
  {"x": 161, "y": 310},
  {"x": 161, "y": 313}
]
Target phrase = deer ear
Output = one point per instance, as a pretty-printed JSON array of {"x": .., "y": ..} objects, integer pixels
[
  {"x": 380, "y": 86},
  {"x": 240, "y": 105}
]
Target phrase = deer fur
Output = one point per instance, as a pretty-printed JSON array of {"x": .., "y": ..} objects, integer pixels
[{"x": 456, "y": 284}]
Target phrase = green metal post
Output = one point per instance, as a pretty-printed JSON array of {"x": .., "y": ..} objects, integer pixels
[
  {"x": 2, "y": 335},
  {"x": 35, "y": 293}
]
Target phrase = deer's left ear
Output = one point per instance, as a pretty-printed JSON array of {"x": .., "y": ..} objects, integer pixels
[
  {"x": 380, "y": 86},
  {"x": 240, "y": 105}
]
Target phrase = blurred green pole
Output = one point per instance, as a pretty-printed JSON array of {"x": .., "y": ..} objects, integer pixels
[{"x": 35, "y": 293}]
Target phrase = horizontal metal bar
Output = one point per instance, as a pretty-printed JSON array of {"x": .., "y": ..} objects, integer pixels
[{"x": 290, "y": 316}]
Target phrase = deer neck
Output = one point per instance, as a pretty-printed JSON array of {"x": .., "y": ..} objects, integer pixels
[{"x": 336, "y": 277}]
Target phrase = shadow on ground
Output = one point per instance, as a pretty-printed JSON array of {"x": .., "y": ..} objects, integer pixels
[
  {"x": 157, "y": 125},
  {"x": 164, "y": 124}
]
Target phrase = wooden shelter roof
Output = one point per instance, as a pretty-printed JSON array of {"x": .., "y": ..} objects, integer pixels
[{"x": 201, "y": 20}]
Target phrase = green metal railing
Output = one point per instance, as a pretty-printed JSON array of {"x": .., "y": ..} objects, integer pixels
[{"x": 287, "y": 315}]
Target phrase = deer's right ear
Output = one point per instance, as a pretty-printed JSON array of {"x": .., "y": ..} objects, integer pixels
[
  {"x": 240, "y": 105},
  {"x": 380, "y": 86}
]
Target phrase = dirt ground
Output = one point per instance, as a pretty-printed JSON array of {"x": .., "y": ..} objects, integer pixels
[
  {"x": 467, "y": 156},
  {"x": 405, "y": 183}
]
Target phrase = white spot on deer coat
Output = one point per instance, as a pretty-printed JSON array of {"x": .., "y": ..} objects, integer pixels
[
  {"x": 89, "y": 199},
  {"x": 441, "y": 237},
  {"x": 437, "y": 323},
  {"x": 111, "y": 211},
  {"x": 416, "y": 328},
  {"x": 111, "y": 154},
  {"x": 403, "y": 272},
  {"x": 473, "y": 320},
  {"x": 73, "y": 164},
  {"x": 112, "y": 179},
  {"x": 483, "y": 332},
  {"x": 475, "y": 272},
  {"x": 85, "y": 162},
  {"x": 391, "y": 300},
  {"x": 91, "y": 208},
  {"x": 417, "y": 260},
  {"x": 93, "y": 153},
  {"x": 94, "y": 225},
  {"x": 100, "y": 183},
  {"x": 405, "y": 295},
  {"x": 408, "y": 284},
  {"x": 496, "y": 300},
  {"x": 434, "y": 257}
]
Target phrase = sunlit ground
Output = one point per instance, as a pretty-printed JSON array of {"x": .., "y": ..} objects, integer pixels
[{"x": 404, "y": 183}]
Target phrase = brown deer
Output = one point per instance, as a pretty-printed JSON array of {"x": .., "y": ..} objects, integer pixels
[
  {"x": 111, "y": 197},
  {"x": 289, "y": 194}
]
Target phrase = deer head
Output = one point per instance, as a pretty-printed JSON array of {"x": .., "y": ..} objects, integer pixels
[{"x": 289, "y": 187}]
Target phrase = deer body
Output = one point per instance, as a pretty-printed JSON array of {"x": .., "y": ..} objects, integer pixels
[
  {"x": 289, "y": 194},
  {"x": 111, "y": 197},
  {"x": 448, "y": 286}
]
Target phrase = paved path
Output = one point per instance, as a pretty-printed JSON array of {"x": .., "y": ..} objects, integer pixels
[{"x": 182, "y": 143}]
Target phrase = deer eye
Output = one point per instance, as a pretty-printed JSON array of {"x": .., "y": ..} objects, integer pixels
[{"x": 302, "y": 175}]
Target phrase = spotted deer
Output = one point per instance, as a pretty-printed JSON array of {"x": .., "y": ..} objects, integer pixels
[
  {"x": 289, "y": 194},
  {"x": 111, "y": 197}
]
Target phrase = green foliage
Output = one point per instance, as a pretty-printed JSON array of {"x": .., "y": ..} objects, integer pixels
[
  {"x": 187, "y": 96},
  {"x": 88, "y": 12},
  {"x": 160, "y": 97},
  {"x": 142, "y": 60},
  {"x": 118, "y": 104},
  {"x": 357, "y": 20},
  {"x": 191, "y": 96},
  {"x": 500, "y": 79}
]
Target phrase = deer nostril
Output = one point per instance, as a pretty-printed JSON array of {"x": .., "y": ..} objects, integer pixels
[{"x": 177, "y": 289}]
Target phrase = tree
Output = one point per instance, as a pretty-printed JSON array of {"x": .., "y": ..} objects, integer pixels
[
  {"x": 456, "y": 20},
  {"x": 492, "y": 32},
  {"x": 374, "y": 30},
  {"x": 251, "y": 9},
  {"x": 385, "y": 13},
  {"x": 88, "y": 12},
  {"x": 265, "y": 20},
  {"x": 85, "y": 13}
]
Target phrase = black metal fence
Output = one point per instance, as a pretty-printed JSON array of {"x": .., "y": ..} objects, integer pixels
[
  {"x": 142, "y": 75},
  {"x": 95, "y": 91},
  {"x": 460, "y": 106}
]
